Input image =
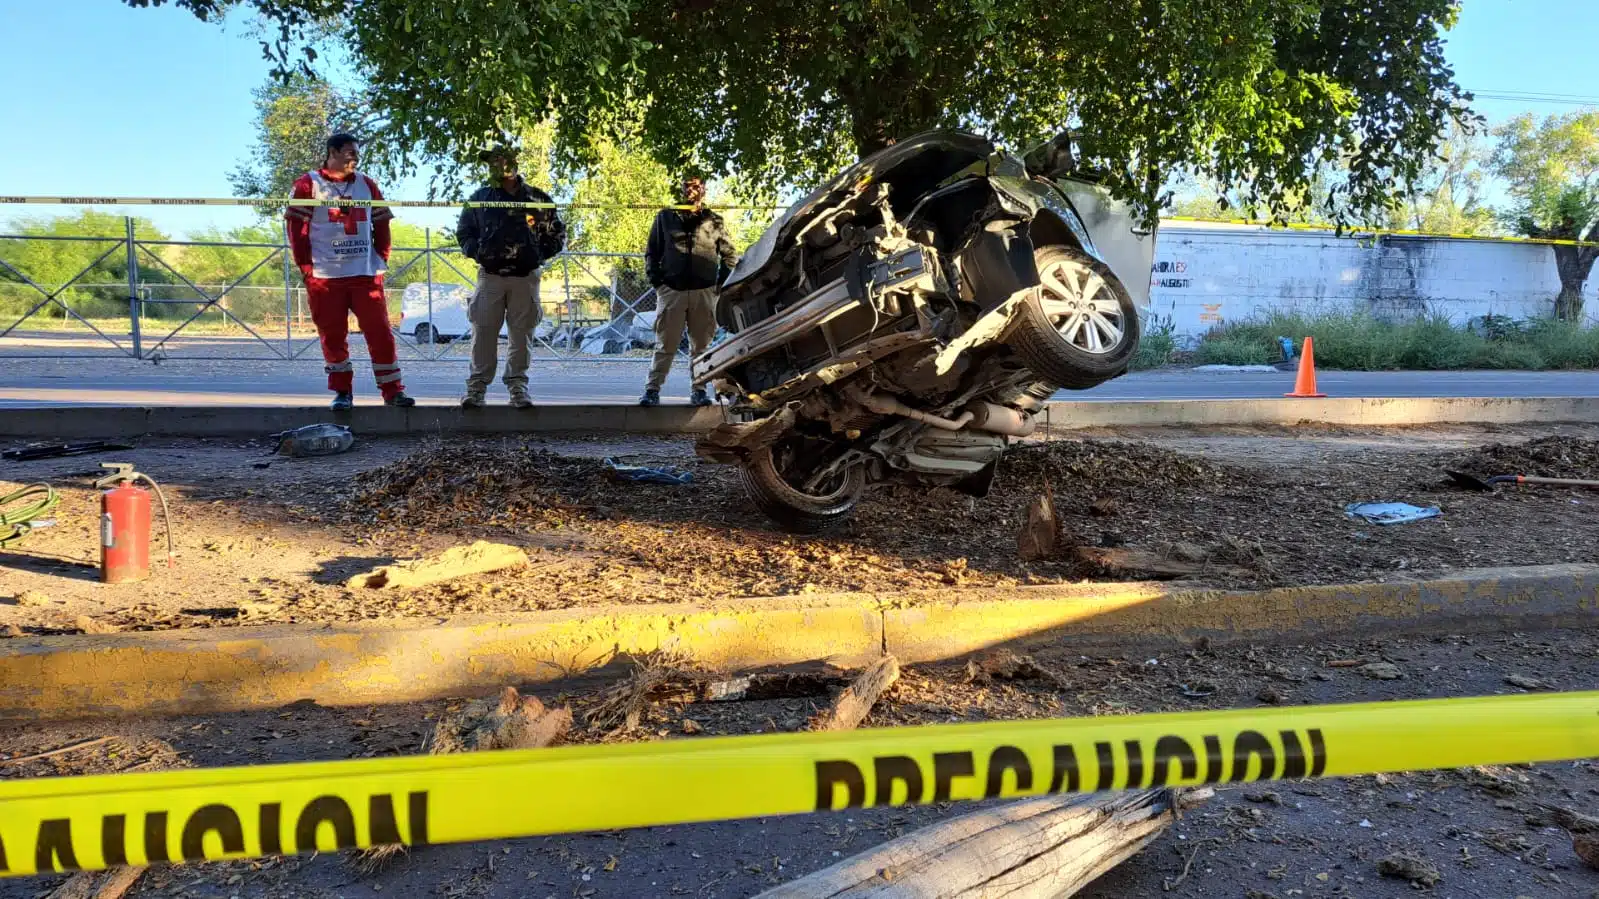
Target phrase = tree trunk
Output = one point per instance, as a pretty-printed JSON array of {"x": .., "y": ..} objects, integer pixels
[
  {"x": 1573, "y": 264},
  {"x": 1031, "y": 849}
]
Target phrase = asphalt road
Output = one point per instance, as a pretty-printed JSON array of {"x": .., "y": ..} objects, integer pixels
[{"x": 110, "y": 381}]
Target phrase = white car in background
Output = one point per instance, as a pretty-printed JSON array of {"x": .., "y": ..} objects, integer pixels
[{"x": 443, "y": 320}]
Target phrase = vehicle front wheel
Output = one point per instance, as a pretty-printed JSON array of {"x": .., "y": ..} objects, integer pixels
[
  {"x": 1079, "y": 329},
  {"x": 775, "y": 479}
]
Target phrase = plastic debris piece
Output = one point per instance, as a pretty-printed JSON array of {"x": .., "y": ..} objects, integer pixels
[
  {"x": 315, "y": 440},
  {"x": 621, "y": 472},
  {"x": 1390, "y": 513}
]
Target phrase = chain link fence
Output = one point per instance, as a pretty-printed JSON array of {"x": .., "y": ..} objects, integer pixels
[{"x": 139, "y": 297}]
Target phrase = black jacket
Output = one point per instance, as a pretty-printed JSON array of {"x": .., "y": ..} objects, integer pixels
[
  {"x": 688, "y": 250},
  {"x": 510, "y": 241}
]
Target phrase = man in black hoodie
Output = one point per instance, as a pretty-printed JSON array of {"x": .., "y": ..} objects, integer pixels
[
  {"x": 688, "y": 256},
  {"x": 508, "y": 244}
]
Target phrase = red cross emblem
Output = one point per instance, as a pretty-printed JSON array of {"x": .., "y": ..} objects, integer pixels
[{"x": 350, "y": 216}]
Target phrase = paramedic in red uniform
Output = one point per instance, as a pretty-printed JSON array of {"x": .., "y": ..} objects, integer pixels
[{"x": 343, "y": 252}]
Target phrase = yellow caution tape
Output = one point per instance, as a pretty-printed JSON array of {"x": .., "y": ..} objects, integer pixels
[
  {"x": 56, "y": 824},
  {"x": 1356, "y": 232},
  {"x": 290, "y": 201}
]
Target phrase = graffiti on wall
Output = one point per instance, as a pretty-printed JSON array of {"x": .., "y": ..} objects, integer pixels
[{"x": 1158, "y": 269}]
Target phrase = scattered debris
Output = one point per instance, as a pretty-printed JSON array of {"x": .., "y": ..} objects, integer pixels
[
  {"x": 855, "y": 703},
  {"x": 57, "y": 450},
  {"x": 1004, "y": 664},
  {"x": 33, "y": 598},
  {"x": 1526, "y": 682},
  {"x": 1390, "y": 513},
  {"x": 1270, "y": 695},
  {"x": 1381, "y": 671},
  {"x": 1104, "y": 507},
  {"x": 656, "y": 676},
  {"x": 481, "y": 557},
  {"x": 1587, "y": 849},
  {"x": 52, "y": 753},
  {"x": 1040, "y": 535},
  {"x": 92, "y": 626},
  {"x": 1411, "y": 866},
  {"x": 109, "y": 884},
  {"x": 778, "y": 685},
  {"x": 1555, "y": 457},
  {"x": 508, "y": 721},
  {"x": 1576, "y": 822},
  {"x": 314, "y": 440},
  {"x": 691, "y": 727},
  {"x": 617, "y": 471}
]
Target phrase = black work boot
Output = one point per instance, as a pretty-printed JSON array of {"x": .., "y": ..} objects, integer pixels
[
  {"x": 651, "y": 397},
  {"x": 399, "y": 399},
  {"x": 343, "y": 401},
  {"x": 699, "y": 397}
]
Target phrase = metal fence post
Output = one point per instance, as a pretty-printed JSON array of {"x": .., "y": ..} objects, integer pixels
[
  {"x": 571, "y": 311},
  {"x": 133, "y": 290},
  {"x": 290, "y": 307},
  {"x": 433, "y": 328}
]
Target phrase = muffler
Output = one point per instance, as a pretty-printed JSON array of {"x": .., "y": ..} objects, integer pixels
[{"x": 997, "y": 419}]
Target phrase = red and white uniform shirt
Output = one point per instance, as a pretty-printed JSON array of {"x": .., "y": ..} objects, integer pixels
[{"x": 341, "y": 240}]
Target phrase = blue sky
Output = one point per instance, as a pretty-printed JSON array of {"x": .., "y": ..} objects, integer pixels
[{"x": 101, "y": 99}]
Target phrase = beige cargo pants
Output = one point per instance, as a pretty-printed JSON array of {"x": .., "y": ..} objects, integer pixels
[
  {"x": 513, "y": 303},
  {"x": 674, "y": 308}
]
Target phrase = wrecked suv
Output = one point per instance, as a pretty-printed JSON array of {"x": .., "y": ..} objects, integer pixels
[{"x": 907, "y": 320}]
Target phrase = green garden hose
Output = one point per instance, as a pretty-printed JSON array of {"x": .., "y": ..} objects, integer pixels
[{"x": 35, "y": 500}]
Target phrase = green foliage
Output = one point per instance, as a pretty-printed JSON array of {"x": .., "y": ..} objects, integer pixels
[
  {"x": 1157, "y": 343},
  {"x": 1358, "y": 342},
  {"x": 1553, "y": 172},
  {"x": 101, "y": 291},
  {"x": 1255, "y": 93},
  {"x": 1552, "y": 168},
  {"x": 294, "y": 119}
]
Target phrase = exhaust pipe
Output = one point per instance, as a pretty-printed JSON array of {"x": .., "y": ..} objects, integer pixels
[
  {"x": 990, "y": 417},
  {"x": 997, "y": 419},
  {"x": 887, "y": 405}
]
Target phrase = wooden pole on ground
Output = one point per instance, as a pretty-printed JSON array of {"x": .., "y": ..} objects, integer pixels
[{"x": 1044, "y": 848}]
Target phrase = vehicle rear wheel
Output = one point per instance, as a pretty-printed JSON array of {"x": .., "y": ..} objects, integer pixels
[
  {"x": 426, "y": 333},
  {"x": 774, "y": 478},
  {"x": 1079, "y": 329}
]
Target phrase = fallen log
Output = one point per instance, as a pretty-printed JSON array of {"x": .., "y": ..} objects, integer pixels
[
  {"x": 852, "y": 706},
  {"x": 1044, "y": 848},
  {"x": 481, "y": 557}
]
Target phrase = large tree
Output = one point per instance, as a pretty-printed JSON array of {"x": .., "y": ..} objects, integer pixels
[
  {"x": 1552, "y": 168},
  {"x": 1256, "y": 91},
  {"x": 294, "y": 116}
]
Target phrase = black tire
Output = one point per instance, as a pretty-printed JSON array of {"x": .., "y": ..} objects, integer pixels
[
  {"x": 426, "y": 333},
  {"x": 1076, "y": 364},
  {"x": 791, "y": 507}
]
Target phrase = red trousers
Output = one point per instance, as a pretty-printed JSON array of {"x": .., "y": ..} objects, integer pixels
[{"x": 332, "y": 301}]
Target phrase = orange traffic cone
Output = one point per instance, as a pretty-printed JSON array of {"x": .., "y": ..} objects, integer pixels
[{"x": 1305, "y": 384}]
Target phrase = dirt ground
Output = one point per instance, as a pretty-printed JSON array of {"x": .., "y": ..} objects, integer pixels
[
  {"x": 259, "y": 542},
  {"x": 1488, "y": 831}
]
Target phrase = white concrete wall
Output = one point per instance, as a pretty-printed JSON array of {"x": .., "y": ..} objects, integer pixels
[{"x": 1204, "y": 276}]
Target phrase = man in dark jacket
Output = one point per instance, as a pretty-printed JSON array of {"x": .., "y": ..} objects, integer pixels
[
  {"x": 508, "y": 244},
  {"x": 688, "y": 256}
]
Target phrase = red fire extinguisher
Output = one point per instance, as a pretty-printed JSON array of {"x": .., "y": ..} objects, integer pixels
[{"x": 125, "y": 524}]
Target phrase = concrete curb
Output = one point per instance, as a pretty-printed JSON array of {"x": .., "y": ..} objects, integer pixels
[
  {"x": 71, "y": 422},
  {"x": 238, "y": 668}
]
